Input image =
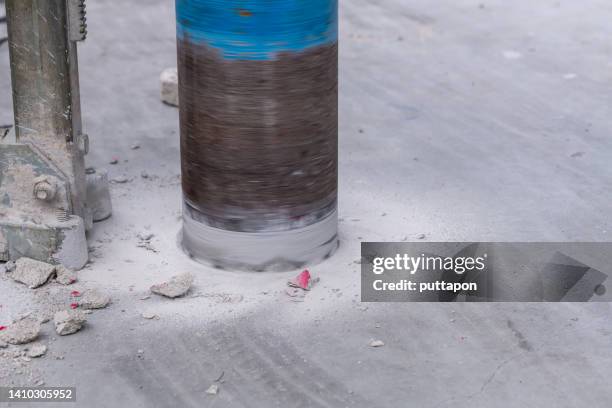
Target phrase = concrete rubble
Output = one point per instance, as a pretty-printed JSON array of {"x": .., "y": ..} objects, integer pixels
[
  {"x": 22, "y": 331},
  {"x": 144, "y": 241},
  {"x": 93, "y": 299},
  {"x": 65, "y": 276},
  {"x": 213, "y": 389},
  {"x": 177, "y": 286},
  {"x": 9, "y": 267},
  {"x": 37, "y": 350},
  {"x": 32, "y": 273},
  {"x": 169, "y": 86},
  {"x": 68, "y": 321}
]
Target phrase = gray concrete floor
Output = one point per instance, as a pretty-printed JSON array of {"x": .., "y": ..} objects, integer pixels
[{"x": 459, "y": 119}]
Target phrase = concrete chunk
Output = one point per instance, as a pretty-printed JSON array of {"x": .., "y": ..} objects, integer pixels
[
  {"x": 177, "y": 286},
  {"x": 68, "y": 321},
  {"x": 37, "y": 350},
  {"x": 32, "y": 273},
  {"x": 376, "y": 343},
  {"x": 65, "y": 276},
  {"x": 21, "y": 332},
  {"x": 213, "y": 390},
  {"x": 169, "y": 86},
  {"x": 92, "y": 299}
]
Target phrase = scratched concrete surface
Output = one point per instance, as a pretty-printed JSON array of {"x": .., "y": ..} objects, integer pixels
[{"x": 459, "y": 119}]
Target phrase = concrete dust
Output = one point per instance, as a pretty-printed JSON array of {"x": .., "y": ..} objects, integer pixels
[
  {"x": 232, "y": 298},
  {"x": 144, "y": 241},
  {"x": 306, "y": 325},
  {"x": 122, "y": 179}
]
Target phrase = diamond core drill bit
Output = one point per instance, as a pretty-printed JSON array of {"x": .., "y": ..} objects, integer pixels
[{"x": 258, "y": 89}]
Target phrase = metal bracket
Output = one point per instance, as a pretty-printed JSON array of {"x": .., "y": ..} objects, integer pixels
[
  {"x": 36, "y": 221},
  {"x": 47, "y": 202}
]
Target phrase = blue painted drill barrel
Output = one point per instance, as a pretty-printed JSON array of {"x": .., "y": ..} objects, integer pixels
[{"x": 258, "y": 91}]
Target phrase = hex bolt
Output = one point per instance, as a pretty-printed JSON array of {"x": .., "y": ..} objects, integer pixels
[{"x": 44, "y": 188}]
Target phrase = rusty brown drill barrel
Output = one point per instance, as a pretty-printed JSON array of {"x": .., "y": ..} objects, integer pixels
[{"x": 258, "y": 83}]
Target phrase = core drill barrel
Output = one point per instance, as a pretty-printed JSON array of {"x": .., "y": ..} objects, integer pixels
[{"x": 258, "y": 89}]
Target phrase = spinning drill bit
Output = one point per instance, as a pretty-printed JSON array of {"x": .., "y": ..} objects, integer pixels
[{"x": 258, "y": 83}]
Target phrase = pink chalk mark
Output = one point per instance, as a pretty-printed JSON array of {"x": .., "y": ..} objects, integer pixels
[{"x": 302, "y": 280}]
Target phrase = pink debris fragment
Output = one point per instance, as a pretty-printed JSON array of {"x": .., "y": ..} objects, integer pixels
[
  {"x": 301, "y": 281},
  {"x": 74, "y": 305},
  {"x": 2, "y": 328},
  {"x": 75, "y": 293}
]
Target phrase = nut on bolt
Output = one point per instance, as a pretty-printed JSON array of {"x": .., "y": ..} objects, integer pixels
[{"x": 45, "y": 188}]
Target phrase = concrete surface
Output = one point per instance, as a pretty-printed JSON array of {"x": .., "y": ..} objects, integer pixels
[{"x": 459, "y": 119}]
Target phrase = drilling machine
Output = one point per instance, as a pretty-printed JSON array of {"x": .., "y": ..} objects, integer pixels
[{"x": 47, "y": 201}]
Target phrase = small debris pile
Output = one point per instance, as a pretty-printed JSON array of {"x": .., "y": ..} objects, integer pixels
[
  {"x": 35, "y": 274},
  {"x": 177, "y": 286},
  {"x": 20, "y": 337}
]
